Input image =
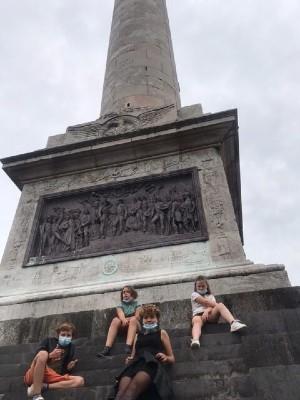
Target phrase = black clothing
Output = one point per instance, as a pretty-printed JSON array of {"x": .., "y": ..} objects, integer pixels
[
  {"x": 146, "y": 348},
  {"x": 150, "y": 342},
  {"x": 49, "y": 344}
]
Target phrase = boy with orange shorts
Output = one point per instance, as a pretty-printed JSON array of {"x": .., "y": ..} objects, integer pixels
[{"x": 54, "y": 359}]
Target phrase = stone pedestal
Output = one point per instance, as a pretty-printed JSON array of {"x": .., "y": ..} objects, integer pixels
[{"x": 205, "y": 146}]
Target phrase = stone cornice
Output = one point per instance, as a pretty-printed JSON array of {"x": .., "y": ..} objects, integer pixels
[{"x": 219, "y": 130}]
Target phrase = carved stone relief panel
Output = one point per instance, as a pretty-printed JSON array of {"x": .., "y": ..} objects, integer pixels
[{"x": 157, "y": 210}]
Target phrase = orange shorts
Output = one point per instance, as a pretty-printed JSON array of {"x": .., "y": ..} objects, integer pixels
[{"x": 50, "y": 376}]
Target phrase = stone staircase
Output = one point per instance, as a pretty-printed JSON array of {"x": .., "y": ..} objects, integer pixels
[{"x": 263, "y": 364}]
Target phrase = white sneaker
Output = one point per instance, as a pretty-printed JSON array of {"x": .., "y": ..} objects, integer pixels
[
  {"x": 30, "y": 391},
  {"x": 195, "y": 344},
  {"x": 38, "y": 397},
  {"x": 237, "y": 325}
]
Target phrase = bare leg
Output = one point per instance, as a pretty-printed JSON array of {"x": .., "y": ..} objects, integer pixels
[
  {"x": 220, "y": 309},
  {"x": 132, "y": 328},
  {"x": 123, "y": 385},
  {"x": 113, "y": 331},
  {"x": 138, "y": 385},
  {"x": 197, "y": 325},
  {"x": 73, "y": 382},
  {"x": 40, "y": 362}
]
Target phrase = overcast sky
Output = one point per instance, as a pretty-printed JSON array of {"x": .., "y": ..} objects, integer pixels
[{"x": 241, "y": 54}]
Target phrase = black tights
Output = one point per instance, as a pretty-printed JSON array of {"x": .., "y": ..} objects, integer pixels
[{"x": 132, "y": 388}]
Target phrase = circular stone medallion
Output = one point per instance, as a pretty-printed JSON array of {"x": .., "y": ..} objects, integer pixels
[{"x": 110, "y": 267}]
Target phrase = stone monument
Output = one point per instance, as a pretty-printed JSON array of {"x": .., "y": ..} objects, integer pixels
[{"x": 148, "y": 194}]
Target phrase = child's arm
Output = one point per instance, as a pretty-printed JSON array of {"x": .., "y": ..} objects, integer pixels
[
  {"x": 205, "y": 302},
  {"x": 72, "y": 364},
  {"x": 168, "y": 356},
  {"x": 121, "y": 316},
  {"x": 72, "y": 360},
  {"x": 137, "y": 312},
  {"x": 131, "y": 357}
]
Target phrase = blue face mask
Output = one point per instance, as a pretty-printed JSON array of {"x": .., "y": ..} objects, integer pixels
[
  {"x": 64, "y": 341},
  {"x": 150, "y": 326},
  {"x": 202, "y": 292}
]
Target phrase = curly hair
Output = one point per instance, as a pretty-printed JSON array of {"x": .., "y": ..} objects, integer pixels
[{"x": 150, "y": 310}]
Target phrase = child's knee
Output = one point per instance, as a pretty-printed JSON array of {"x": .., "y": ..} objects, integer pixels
[
  {"x": 42, "y": 356},
  {"x": 116, "y": 322},
  {"x": 197, "y": 320},
  {"x": 78, "y": 381},
  {"x": 133, "y": 321}
]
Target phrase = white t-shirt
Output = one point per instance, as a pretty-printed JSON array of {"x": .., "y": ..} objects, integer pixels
[{"x": 197, "y": 307}]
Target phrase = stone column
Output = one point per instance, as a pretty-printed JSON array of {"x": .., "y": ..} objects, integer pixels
[{"x": 140, "y": 70}]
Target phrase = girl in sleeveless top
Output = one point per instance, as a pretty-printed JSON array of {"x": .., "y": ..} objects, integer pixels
[
  {"x": 145, "y": 376},
  {"x": 126, "y": 319}
]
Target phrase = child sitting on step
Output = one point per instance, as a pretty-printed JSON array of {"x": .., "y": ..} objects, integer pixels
[
  {"x": 206, "y": 309},
  {"x": 145, "y": 375},
  {"x": 54, "y": 359},
  {"x": 126, "y": 319}
]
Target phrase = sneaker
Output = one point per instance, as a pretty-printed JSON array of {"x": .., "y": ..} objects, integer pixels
[
  {"x": 38, "y": 397},
  {"x": 195, "y": 344},
  {"x": 237, "y": 325},
  {"x": 128, "y": 349},
  {"x": 105, "y": 352},
  {"x": 30, "y": 389}
]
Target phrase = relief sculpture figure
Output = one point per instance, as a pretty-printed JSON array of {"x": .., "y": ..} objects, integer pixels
[{"x": 119, "y": 217}]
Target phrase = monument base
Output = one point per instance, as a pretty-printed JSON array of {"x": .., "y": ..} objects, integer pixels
[{"x": 226, "y": 280}]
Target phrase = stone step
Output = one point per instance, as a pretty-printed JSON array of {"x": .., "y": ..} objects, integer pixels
[
  {"x": 232, "y": 387},
  {"x": 259, "y": 321},
  {"x": 23, "y": 354},
  {"x": 101, "y": 373},
  {"x": 186, "y": 370},
  {"x": 173, "y": 333},
  {"x": 229, "y": 387},
  {"x": 220, "y": 353}
]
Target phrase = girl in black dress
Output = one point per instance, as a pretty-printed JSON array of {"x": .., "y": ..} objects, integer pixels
[{"x": 145, "y": 376}]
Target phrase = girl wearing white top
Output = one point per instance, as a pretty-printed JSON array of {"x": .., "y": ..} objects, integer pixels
[{"x": 206, "y": 309}]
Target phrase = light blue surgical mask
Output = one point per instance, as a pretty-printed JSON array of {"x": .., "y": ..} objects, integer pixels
[
  {"x": 64, "y": 341},
  {"x": 127, "y": 300},
  {"x": 150, "y": 326},
  {"x": 202, "y": 292}
]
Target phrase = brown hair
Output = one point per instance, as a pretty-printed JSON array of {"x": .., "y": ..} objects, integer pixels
[
  {"x": 66, "y": 326},
  {"x": 150, "y": 310},
  {"x": 202, "y": 278},
  {"x": 131, "y": 290}
]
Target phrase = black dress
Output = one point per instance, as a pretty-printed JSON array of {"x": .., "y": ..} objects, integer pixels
[{"x": 146, "y": 347}]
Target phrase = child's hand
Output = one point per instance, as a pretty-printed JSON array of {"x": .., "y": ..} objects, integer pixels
[
  {"x": 72, "y": 364},
  {"x": 56, "y": 354},
  {"x": 124, "y": 322},
  {"x": 128, "y": 360},
  {"x": 163, "y": 358},
  {"x": 205, "y": 315}
]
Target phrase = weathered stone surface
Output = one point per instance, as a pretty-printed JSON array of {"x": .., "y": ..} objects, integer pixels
[
  {"x": 262, "y": 363},
  {"x": 140, "y": 69},
  {"x": 98, "y": 296},
  {"x": 223, "y": 248}
]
